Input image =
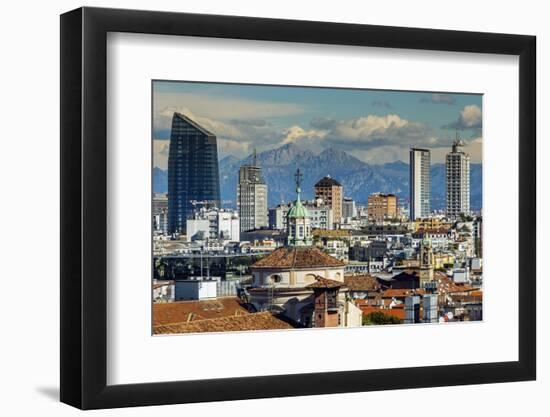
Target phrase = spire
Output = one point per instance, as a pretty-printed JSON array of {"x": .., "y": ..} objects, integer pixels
[
  {"x": 298, "y": 176},
  {"x": 298, "y": 222},
  {"x": 255, "y": 158}
]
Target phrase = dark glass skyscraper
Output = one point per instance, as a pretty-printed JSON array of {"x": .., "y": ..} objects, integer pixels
[{"x": 193, "y": 175}]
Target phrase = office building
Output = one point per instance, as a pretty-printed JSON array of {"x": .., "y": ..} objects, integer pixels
[
  {"x": 457, "y": 164},
  {"x": 252, "y": 197},
  {"x": 193, "y": 176},
  {"x": 419, "y": 183}
]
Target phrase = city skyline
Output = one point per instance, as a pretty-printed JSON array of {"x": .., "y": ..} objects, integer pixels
[
  {"x": 283, "y": 238},
  {"x": 375, "y": 126}
]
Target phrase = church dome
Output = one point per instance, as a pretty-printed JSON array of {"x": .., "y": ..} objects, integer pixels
[{"x": 297, "y": 210}]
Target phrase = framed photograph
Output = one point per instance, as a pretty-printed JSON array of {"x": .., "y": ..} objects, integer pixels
[{"x": 257, "y": 208}]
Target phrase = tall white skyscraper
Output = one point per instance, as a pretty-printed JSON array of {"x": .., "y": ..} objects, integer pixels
[
  {"x": 457, "y": 164},
  {"x": 419, "y": 179},
  {"x": 252, "y": 198}
]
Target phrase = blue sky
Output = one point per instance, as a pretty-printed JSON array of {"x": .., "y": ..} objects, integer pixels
[{"x": 376, "y": 126}]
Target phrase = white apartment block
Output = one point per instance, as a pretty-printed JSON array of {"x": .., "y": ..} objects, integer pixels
[
  {"x": 419, "y": 183},
  {"x": 251, "y": 199},
  {"x": 320, "y": 216},
  {"x": 457, "y": 164}
]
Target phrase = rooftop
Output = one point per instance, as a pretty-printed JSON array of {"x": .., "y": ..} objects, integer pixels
[
  {"x": 327, "y": 181},
  {"x": 254, "y": 321},
  {"x": 298, "y": 257},
  {"x": 401, "y": 293},
  {"x": 362, "y": 283},
  {"x": 321, "y": 282},
  {"x": 188, "y": 311}
]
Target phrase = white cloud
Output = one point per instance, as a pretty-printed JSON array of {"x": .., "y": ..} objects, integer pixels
[
  {"x": 216, "y": 107},
  {"x": 305, "y": 138},
  {"x": 374, "y": 131},
  {"x": 470, "y": 117}
]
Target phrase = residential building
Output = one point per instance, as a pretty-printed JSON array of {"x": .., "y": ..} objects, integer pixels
[
  {"x": 193, "y": 175},
  {"x": 419, "y": 180},
  {"x": 320, "y": 215},
  {"x": 457, "y": 170},
  {"x": 382, "y": 206},
  {"x": 160, "y": 202},
  {"x": 252, "y": 197},
  {"x": 331, "y": 192},
  {"x": 337, "y": 248},
  {"x": 349, "y": 210},
  {"x": 160, "y": 221},
  {"x": 214, "y": 223}
]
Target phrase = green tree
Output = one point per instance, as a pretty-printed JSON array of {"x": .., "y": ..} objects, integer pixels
[{"x": 378, "y": 317}]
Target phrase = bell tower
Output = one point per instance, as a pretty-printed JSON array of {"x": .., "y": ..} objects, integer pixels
[
  {"x": 298, "y": 223},
  {"x": 426, "y": 262}
]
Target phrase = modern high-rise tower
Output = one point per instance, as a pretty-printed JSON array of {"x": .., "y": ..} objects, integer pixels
[
  {"x": 419, "y": 180},
  {"x": 193, "y": 175},
  {"x": 252, "y": 197},
  {"x": 457, "y": 164}
]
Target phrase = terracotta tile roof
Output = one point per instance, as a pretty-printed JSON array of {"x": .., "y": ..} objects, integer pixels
[
  {"x": 298, "y": 257},
  {"x": 400, "y": 293},
  {"x": 183, "y": 311},
  {"x": 362, "y": 283},
  {"x": 254, "y": 321},
  {"x": 446, "y": 285},
  {"x": 321, "y": 282},
  {"x": 467, "y": 298}
]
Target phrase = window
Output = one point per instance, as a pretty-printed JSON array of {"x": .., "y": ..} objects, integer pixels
[{"x": 275, "y": 279}]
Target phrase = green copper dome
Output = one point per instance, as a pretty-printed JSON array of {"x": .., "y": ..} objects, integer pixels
[{"x": 298, "y": 210}]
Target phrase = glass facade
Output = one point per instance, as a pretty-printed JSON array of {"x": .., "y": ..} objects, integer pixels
[{"x": 193, "y": 174}]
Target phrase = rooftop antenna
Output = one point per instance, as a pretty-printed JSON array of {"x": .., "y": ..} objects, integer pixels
[{"x": 255, "y": 157}]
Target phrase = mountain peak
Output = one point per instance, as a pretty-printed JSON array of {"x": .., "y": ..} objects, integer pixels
[{"x": 338, "y": 157}]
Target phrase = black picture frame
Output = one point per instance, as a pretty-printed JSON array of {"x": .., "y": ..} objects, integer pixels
[{"x": 84, "y": 207}]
